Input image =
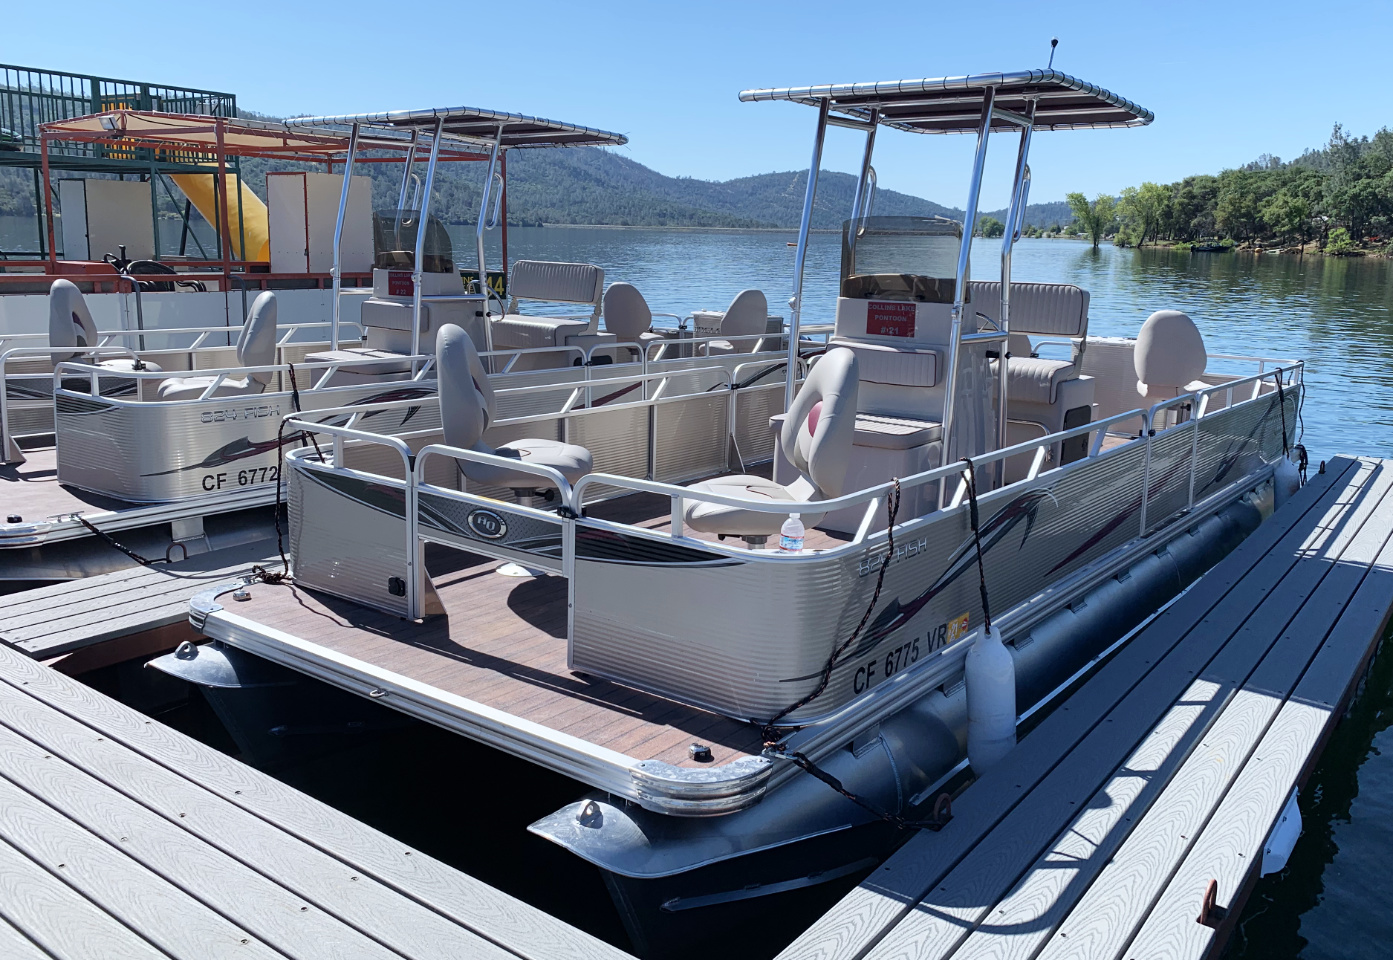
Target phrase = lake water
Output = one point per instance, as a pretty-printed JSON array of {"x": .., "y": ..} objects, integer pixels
[{"x": 1331, "y": 901}]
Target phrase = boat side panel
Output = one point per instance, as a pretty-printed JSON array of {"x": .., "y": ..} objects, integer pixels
[{"x": 158, "y": 452}]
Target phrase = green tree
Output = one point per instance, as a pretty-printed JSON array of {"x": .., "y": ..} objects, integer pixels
[
  {"x": 1096, "y": 218},
  {"x": 1143, "y": 209},
  {"x": 991, "y": 227},
  {"x": 1286, "y": 214}
]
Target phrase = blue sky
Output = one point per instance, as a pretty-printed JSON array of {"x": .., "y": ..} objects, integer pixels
[{"x": 1227, "y": 81}]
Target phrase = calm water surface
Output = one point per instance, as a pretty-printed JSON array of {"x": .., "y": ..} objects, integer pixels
[{"x": 1332, "y": 899}]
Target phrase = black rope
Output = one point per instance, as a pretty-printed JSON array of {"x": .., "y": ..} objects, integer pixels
[
  {"x": 111, "y": 541},
  {"x": 769, "y": 730},
  {"x": 773, "y": 735},
  {"x": 977, "y": 536},
  {"x": 295, "y": 402},
  {"x": 1282, "y": 406}
]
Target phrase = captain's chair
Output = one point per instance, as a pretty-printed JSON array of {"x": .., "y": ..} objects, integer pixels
[
  {"x": 816, "y": 437},
  {"x": 1169, "y": 357},
  {"x": 72, "y": 330},
  {"x": 256, "y": 347},
  {"x": 628, "y": 317},
  {"x": 466, "y": 411},
  {"x": 747, "y": 316}
]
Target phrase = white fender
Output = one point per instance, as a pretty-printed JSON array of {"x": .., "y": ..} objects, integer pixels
[
  {"x": 1282, "y": 840},
  {"x": 1286, "y": 480},
  {"x": 990, "y": 675}
]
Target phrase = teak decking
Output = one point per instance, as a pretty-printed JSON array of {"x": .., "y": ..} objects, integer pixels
[
  {"x": 1098, "y": 836},
  {"x": 31, "y": 490},
  {"x": 502, "y": 643}
]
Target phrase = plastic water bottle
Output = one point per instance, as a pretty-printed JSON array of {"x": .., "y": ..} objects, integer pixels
[{"x": 791, "y": 534}]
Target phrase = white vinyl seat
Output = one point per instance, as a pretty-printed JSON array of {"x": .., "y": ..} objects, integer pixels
[
  {"x": 1170, "y": 356},
  {"x": 72, "y": 330},
  {"x": 816, "y": 437},
  {"x": 628, "y": 316},
  {"x": 256, "y": 347},
  {"x": 467, "y": 408},
  {"x": 549, "y": 282},
  {"x": 747, "y": 316}
]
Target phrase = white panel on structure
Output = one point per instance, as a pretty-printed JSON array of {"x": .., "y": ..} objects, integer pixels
[
  {"x": 118, "y": 213},
  {"x": 323, "y": 190},
  {"x": 287, "y": 222},
  {"x": 72, "y": 204}
]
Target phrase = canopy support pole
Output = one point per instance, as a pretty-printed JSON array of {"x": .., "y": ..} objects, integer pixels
[
  {"x": 421, "y": 227},
  {"x": 862, "y": 199},
  {"x": 503, "y": 170},
  {"x": 800, "y": 258},
  {"x": 479, "y": 234},
  {"x": 1008, "y": 242},
  {"x": 48, "y": 204},
  {"x": 974, "y": 191},
  {"x": 338, "y": 233},
  {"x": 406, "y": 172}
]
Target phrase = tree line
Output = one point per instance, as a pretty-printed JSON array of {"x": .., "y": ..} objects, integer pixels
[{"x": 1340, "y": 196}]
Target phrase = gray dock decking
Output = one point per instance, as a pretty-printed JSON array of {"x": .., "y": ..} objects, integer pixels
[
  {"x": 51, "y": 621},
  {"x": 121, "y": 838},
  {"x": 1167, "y": 769}
]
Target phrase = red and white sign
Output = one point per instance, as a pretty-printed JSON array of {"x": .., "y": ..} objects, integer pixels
[
  {"x": 889, "y": 319},
  {"x": 399, "y": 283}
]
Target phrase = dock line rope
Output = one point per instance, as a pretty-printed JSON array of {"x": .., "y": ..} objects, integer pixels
[
  {"x": 773, "y": 736},
  {"x": 770, "y": 731},
  {"x": 1302, "y": 460},
  {"x": 112, "y": 542}
]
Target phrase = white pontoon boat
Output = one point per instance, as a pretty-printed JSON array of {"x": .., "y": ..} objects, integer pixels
[
  {"x": 171, "y": 438},
  {"x": 707, "y": 686}
]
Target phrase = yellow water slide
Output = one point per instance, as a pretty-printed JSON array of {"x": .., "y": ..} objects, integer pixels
[{"x": 200, "y": 189}]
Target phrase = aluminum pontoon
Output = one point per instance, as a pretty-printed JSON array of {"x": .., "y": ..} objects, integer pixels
[
  {"x": 150, "y": 429},
  {"x": 665, "y": 656}
]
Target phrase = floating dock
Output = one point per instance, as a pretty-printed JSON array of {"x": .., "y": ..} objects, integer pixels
[
  {"x": 1158, "y": 782},
  {"x": 148, "y": 605},
  {"x": 121, "y": 838}
]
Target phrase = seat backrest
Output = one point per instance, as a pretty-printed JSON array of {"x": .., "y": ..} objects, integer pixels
[
  {"x": 626, "y": 312},
  {"x": 70, "y": 323},
  {"x": 747, "y": 316},
  {"x": 256, "y": 346},
  {"x": 1044, "y": 309},
  {"x": 817, "y": 433},
  {"x": 1169, "y": 354},
  {"x": 466, "y": 396},
  {"x": 556, "y": 282}
]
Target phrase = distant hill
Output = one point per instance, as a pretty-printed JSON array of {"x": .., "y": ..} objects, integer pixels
[{"x": 597, "y": 186}]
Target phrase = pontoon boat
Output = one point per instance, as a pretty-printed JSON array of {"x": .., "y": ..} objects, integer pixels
[{"x": 664, "y": 646}]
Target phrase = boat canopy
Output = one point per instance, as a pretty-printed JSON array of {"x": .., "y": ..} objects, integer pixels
[
  {"x": 238, "y": 137},
  {"x": 478, "y": 125},
  {"x": 952, "y": 104}
]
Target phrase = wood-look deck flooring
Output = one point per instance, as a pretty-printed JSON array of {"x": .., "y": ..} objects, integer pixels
[
  {"x": 121, "y": 839},
  {"x": 31, "y": 490},
  {"x": 1098, "y": 836},
  {"x": 502, "y": 643}
]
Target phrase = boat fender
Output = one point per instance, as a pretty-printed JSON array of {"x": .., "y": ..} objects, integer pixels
[
  {"x": 990, "y": 674},
  {"x": 1286, "y": 481},
  {"x": 1282, "y": 840}
]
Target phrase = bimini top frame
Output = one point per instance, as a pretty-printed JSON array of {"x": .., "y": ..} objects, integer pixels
[
  {"x": 982, "y": 103},
  {"x": 493, "y": 132}
]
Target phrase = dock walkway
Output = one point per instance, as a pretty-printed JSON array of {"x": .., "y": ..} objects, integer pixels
[
  {"x": 59, "y": 619},
  {"x": 1167, "y": 770},
  {"x": 121, "y": 838}
]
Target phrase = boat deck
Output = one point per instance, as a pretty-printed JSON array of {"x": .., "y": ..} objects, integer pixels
[
  {"x": 31, "y": 489},
  {"x": 502, "y": 644},
  {"x": 121, "y": 839},
  {"x": 1167, "y": 770}
]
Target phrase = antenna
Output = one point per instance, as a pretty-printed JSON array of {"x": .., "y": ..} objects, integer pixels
[{"x": 1054, "y": 42}]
